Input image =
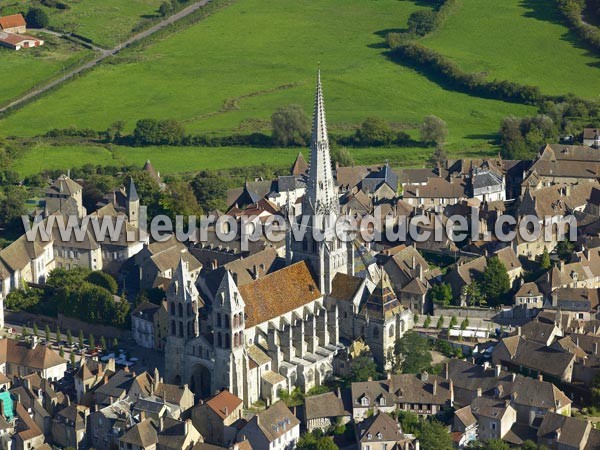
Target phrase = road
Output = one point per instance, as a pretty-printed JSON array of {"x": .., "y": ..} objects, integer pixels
[{"x": 105, "y": 54}]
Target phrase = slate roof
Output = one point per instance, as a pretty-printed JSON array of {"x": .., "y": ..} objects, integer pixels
[
  {"x": 143, "y": 434},
  {"x": 64, "y": 185},
  {"x": 528, "y": 290},
  {"x": 146, "y": 311},
  {"x": 465, "y": 415},
  {"x": 275, "y": 421},
  {"x": 564, "y": 430},
  {"x": 278, "y": 292},
  {"x": 379, "y": 428},
  {"x": 323, "y": 406},
  {"x": 39, "y": 358}
]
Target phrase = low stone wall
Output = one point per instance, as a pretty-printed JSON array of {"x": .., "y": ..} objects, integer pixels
[{"x": 478, "y": 313}]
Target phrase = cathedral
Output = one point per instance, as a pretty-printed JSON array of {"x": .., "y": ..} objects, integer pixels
[{"x": 259, "y": 335}]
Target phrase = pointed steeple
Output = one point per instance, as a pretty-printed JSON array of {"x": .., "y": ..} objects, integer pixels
[
  {"x": 321, "y": 196},
  {"x": 132, "y": 194}
]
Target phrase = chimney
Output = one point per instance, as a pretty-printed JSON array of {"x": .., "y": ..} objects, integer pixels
[
  {"x": 434, "y": 390},
  {"x": 389, "y": 375},
  {"x": 414, "y": 263},
  {"x": 417, "y": 192},
  {"x": 26, "y": 383},
  {"x": 513, "y": 376},
  {"x": 370, "y": 379},
  {"x": 519, "y": 331},
  {"x": 226, "y": 411},
  {"x": 156, "y": 380},
  {"x": 540, "y": 377},
  {"x": 497, "y": 370},
  {"x": 596, "y": 348},
  {"x": 34, "y": 342},
  {"x": 161, "y": 425},
  {"x": 255, "y": 273},
  {"x": 479, "y": 391},
  {"x": 446, "y": 370}
]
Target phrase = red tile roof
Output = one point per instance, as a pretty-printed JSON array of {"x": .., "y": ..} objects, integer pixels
[{"x": 13, "y": 21}]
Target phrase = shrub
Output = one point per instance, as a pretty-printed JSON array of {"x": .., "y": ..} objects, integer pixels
[{"x": 37, "y": 18}]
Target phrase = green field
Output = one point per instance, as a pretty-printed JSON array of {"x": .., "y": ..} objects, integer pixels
[
  {"x": 522, "y": 41},
  {"x": 24, "y": 70},
  {"x": 170, "y": 160},
  {"x": 255, "y": 56},
  {"x": 106, "y": 22}
]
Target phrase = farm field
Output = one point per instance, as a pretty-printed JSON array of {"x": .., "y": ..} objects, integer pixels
[
  {"x": 239, "y": 65},
  {"x": 24, "y": 70},
  {"x": 106, "y": 22},
  {"x": 524, "y": 41},
  {"x": 170, "y": 160}
]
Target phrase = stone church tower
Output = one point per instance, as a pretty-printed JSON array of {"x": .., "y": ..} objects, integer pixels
[
  {"x": 321, "y": 204},
  {"x": 182, "y": 302}
]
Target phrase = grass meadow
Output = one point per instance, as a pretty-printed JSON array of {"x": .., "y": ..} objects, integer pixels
[
  {"x": 228, "y": 73},
  {"x": 171, "y": 160},
  {"x": 519, "y": 40},
  {"x": 24, "y": 70},
  {"x": 106, "y": 22}
]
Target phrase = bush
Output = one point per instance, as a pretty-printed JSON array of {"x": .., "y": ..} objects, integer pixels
[
  {"x": 433, "y": 130},
  {"x": 375, "y": 132},
  {"x": 422, "y": 22},
  {"x": 37, "y": 18},
  {"x": 103, "y": 280}
]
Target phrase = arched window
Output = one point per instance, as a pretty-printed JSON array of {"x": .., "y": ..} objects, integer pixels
[
  {"x": 180, "y": 329},
  {"x": 226, "y": 320},
  {"x": 219, "y": 320},
  {"x": 190, "y": 329},
  {"x": 227, "y": 341},
  {"x": 391, "y": 331},
  {"x": 189, "y": 309},
  {"x": 172, "y": 308},
  {"x": 180, "y": 310},
  {"x": 173, "y": 328},
  {"x": 376, "y": 332},
  {"x": 219, "y": 340}
]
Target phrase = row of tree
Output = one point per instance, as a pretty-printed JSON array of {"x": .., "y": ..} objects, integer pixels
[{"x": 573, "y": 10}]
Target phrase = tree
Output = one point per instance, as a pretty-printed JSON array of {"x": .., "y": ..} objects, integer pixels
[
  {"x": 81, "y": 339},
  {"x": 422, "y": 22},
  {"x": 433, "y": 130},
  {"x": 415, "y": 318},
  {"x": 545, "y": 261},
  {"x": 441, "y": 294},
  {"x": 438, "y": 157},
  {"x": 24, "y": 332},
  {"x": 47, "y": 333},
  {"x": 411, "y": 353},
  {"x": 72, "y": 359},
  {"x": 115, "y": 343},
  {"x": 434, "y": 436},
  {"x": 464, "y": 324},
  {"x": 103, "y": 280},
  {"x": 69, "y": 338},
  {"x": 595, "y": 390},
  {"x": 440, "y": 323},
  {"x": 362, "y": 368},
  {"x": 35, "y": 330},
  {"x": 375, "y": 132},
  {"x": 92, "y": 342},
  {"x": 564, "y": 249},
  {"x": 12, "y": 206},
  {"x": 472, "y": 294},
  {"x": 342, "y": 157},
  {"x": 58, "y": 334},
  {"x": 181, "y": 200},
  {"x": 61, "y": 352},
  {"x": 210, "y": 191},
  {"x": 158, "y": 132},
  {"x": 103, "y": 343},
  {"x": 453, "y": 322},
  {"x": 165, "y": 8},
  {"x": 291, "y": 126},
  {"x": 496, "y": 283},
  {"x": 427, "y": 321},
  {"x": 37, "y": 18}
]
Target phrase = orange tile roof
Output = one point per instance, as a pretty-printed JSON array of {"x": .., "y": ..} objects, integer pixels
[
  {"x": 13, "y": 21},
  {"x": 279, "y": 292},
  {"x": 224, "y": 403}
]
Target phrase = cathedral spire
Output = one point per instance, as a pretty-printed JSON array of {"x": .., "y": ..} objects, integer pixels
[{"x": 321, "y": 197}]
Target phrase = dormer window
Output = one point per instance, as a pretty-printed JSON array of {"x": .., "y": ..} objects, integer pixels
[
  {"x": 364, "y": 401},
  {"x": 382, "y": 401}
]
